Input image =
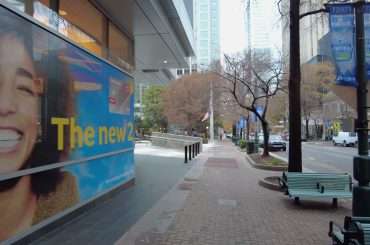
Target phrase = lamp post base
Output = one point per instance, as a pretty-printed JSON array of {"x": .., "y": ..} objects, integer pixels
[{"x": 361, "y": 201}]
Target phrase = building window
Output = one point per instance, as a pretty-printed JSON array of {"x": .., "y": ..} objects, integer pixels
[
  {"x": 203, "y": 7},
  {"x": 83, "y": 15},
  {"x": 203, "y": 25},
  {"x": 17, "y": 4},
  {"x": 203, "y": 52},
  {"x": 204, "y": 34},
  {"x": 203, "y": 43},
  {"x": 120, "y": 47},
  {"x": 83, "y": 23},
  {"x": 203, "y": 16}
]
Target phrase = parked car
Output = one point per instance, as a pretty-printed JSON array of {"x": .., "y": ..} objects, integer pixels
[
  {"x": 345, "y": 139},
  {"x": 276, "y": 143},
  {"x": 260, "y": 139}
]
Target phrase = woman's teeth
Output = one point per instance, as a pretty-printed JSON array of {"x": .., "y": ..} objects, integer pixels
[{"x": 9, "y": 140}]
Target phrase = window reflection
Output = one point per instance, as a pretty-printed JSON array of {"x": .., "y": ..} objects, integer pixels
[
  {"x": 84, "y": 24},
  {"x": 17, "y": 4}
]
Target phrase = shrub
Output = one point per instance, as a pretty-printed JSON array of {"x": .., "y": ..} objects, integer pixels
[{"x": 242, "y": 144}]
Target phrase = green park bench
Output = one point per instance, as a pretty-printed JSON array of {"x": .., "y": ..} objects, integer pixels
[
  {"x": 317, "y": 185},
  {"x": 356, "y": 231}
]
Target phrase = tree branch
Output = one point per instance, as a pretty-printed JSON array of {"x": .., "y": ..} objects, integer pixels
[{"x": 323, "y": 10}]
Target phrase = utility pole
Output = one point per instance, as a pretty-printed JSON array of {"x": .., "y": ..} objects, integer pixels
[
  {"x": 361, "y": 164},
  {"x": 211, "y": 119}
]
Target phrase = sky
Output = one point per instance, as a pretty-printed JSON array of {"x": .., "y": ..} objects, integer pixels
[{"x": 233, "y": 32}]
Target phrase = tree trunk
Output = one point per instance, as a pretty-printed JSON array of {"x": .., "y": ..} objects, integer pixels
[
  {"x": 266, "y": 136},
  {"x": 295, "y": 146}
]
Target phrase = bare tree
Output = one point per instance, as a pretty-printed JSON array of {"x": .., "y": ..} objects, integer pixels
[{"x": 252, "y": 83}]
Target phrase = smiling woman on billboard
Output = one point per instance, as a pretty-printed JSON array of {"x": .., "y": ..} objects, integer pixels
[
  {"x": 26, "y": 200},
  {"x": 66, "y": 122}
]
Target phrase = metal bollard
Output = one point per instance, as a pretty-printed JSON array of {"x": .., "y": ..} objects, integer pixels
[
  {"x": 186, "y": 154},
  {"x": 190, "y": 152},
  {"x": 193, "y": 150}
]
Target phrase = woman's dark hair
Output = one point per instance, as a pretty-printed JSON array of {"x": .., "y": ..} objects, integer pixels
[{"x": 56, "y": 100}]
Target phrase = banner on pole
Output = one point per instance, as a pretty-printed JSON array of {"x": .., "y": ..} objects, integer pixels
[
  {"x": 367, "y": 37},
  {"x": 342, "y": 30}
]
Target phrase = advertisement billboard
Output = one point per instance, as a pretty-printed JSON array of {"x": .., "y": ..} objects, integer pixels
[{"x": 66, "y": 125}]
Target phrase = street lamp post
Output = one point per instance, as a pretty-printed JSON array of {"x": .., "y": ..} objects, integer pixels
[
  {"x": 211, "y": 116},
  {"x": 361, "y": 163}
]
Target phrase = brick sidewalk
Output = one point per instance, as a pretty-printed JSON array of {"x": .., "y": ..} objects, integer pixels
[{"x": 227, "y": 207}]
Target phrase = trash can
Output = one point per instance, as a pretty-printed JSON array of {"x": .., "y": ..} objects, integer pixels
[{"x": 251, "y": 147}]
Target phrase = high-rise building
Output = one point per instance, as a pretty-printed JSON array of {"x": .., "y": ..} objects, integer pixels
[
  {"x": 262, "y": 26},
  {"x": 207, "y": 31}
]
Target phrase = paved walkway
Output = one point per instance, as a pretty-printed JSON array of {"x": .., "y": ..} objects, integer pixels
[
  {"x": 224, "y": 205},
  {"x": 107, "y": 221}
]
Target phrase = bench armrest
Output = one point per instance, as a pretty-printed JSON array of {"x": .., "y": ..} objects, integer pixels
[
  {"x": 282, "y": 183},
  {"x": 320, "y": 187},
  {"x": 336, "y": 233}
]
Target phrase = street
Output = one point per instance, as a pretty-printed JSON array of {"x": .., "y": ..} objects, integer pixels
[{"x": 324, "y": 157}]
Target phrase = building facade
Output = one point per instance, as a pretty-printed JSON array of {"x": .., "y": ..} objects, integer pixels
[{"x": 67, "y": 72}]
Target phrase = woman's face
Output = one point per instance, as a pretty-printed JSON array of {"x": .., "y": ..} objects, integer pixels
[{"x": 19, "y": 104}]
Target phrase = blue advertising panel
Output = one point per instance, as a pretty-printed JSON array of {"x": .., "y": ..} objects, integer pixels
[
  {"x": 342, "y": 26},
  {"x": 66, "y": 122}
]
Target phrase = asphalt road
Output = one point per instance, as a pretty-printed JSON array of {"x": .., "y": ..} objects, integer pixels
[{"x": 324, "y": 157}]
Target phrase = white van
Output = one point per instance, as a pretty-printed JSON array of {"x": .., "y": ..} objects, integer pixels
[{"x": 345, "y": 139}]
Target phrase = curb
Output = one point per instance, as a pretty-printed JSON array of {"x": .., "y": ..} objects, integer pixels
[
  {"x": 269, "y": 185},
  {"x": 265, "y": 167}
]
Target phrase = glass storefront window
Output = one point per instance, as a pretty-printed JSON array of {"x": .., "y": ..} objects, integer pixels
[
  {"x": 120, "y": 47},
  {"x": 17, "y": 4},
  {"x": 81, "y": 15},
  {"x": 50, "y": 18},
  {"x": 84, "y": 24},
  {"x": 44, "y": 2},
  {"x": 84, "y": 16}
]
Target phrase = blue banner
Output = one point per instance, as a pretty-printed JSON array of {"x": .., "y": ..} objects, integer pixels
[
  {"x": 259, "y": 110},
  {"x": 367, "y": 37},
  {"x": 342, "y": 26}
]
